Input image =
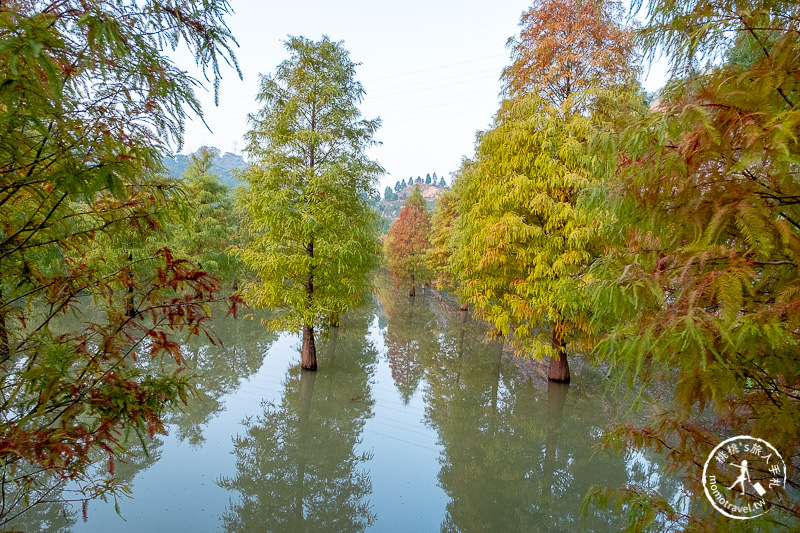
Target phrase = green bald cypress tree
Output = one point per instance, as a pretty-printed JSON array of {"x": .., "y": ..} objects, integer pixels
[{"x": 314, "y": 235}]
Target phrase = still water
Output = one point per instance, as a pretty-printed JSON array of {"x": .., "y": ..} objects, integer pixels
[{"x": 415, "y": 421}]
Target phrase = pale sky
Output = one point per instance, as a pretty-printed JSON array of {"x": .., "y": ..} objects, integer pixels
[{"x": 430, "y": 69}]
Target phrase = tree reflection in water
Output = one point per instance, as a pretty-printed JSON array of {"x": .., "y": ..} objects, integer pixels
[
  {"x": 515, "y": 453},
  {"x": 219, "y": 368},
  {"x": 409, "y": 321},
  {"x": 514, "y": 458},
  {"x": 298, "y": 465}
]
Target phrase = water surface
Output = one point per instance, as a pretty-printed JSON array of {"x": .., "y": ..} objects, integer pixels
[{"x": 415, "y": 421}]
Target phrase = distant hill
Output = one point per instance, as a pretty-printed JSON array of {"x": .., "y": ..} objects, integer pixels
[
  {"x": 429, "y": 192},
  {"x": 390, "y": 210},
  {"x": 225, "y": 163},
  {"x": 222, "y": 166}
]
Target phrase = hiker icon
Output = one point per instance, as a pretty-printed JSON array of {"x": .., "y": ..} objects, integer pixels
[{"x": 744, "y": 474}]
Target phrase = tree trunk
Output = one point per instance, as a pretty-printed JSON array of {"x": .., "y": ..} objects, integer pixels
[
  {"x": 559, "y": 367},
  {"x": 5, "y": 348},
  {"x": 307, "y": 380},
  {"x": 464, "y": 307},
  {"x": 412, "y": 291},
  {"x": 130, "y": 311},
  {"x": 309, "y": 353},
  {"x": 556, "y": 398}
]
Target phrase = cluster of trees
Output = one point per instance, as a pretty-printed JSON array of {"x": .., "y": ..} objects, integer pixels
[
  {"x": 662, "y": 240},
  {"x": 107, "y": 266},
  {"x": 391, "y": 195},
  {"x": 93, "y": 300},
  {"x": 205, "y": 222},
  {"x": 199, "y": 221}
]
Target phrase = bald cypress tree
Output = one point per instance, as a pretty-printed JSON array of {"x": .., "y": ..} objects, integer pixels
[
  {"x": 314, "y": 233},
  {"x": 407, "y": 243},
  {"x": 90, "y": 101},
  {"x": 523, "y": 241},
  {"x": 700, "y": 287}
]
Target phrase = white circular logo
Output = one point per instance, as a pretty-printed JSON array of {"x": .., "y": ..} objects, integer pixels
[{"x": 739, "y": 473}]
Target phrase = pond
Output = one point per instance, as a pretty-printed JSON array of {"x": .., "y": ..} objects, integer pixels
[{"x": 415, "y": 421}]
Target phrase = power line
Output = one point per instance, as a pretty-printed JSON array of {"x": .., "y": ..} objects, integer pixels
[
  {"x": 445, "y": 66},
  {"x": 442, "y": 102},
  {"x": 431, "y": 96},
  {"x": 429, "y": 81},
  {"x": 431, "y": 118},
  {"x": 440, "y": 86}
]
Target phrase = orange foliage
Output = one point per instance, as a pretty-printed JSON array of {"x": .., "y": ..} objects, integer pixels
[
  {"x": 408, "y": 243},
  {"x": 567, "y": 46}
]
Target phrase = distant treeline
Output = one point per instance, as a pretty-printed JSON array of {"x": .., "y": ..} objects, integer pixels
[
  {"x": 222, "y": 164},
  {"x": 390, "y": 194}
]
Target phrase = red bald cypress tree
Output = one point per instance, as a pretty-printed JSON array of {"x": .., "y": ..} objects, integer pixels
[{"x": 407, "y": 244}]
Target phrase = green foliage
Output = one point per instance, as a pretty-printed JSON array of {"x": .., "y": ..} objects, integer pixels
[
  {"x": 524, "y": 241},
  {"x": 197, "y": 220},
  {"x": 701, "y": 285},
  {"x": 89, "y": 102},
  {"x": 209, "y": 225},
  {"x": 443, "y": 241},
  {"x": 313, "y": 233},
  {"x": 407, "y": 242}
]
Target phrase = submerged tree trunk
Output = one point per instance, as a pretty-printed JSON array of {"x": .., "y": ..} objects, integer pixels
[
  {"x": 309, "y": 352},
  {"x": 307, "y": 380},
  {"x": 559, "y": 367},
  {"x": 130, "y": 311},
  {"x": 556, "y": 398}
]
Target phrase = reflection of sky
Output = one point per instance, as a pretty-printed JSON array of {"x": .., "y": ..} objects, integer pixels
[
  {"x": 648, "y": 475},
  {"x": 179, "y": 492},
  {"x": 405, "y": 465}
]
